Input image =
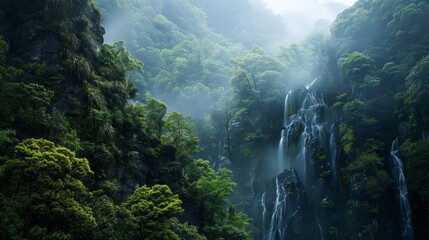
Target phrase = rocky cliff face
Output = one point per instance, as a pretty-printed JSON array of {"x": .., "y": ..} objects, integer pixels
[
  {"x": 287, "y": 212},
  {"x": 40, "y": 32},
  {"x": 56, "y": 47},
  {"x": 316, "y": 197},
  {"x": 46, "y": 38}
]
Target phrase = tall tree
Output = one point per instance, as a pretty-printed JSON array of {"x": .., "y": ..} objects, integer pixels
[{"x": 42, "y": 184}]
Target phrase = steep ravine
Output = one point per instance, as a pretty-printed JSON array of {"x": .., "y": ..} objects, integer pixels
[{"x": 305, "y": 199}]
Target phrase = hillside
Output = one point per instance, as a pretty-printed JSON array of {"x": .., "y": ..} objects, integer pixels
[{"x": 149, "y": 119}]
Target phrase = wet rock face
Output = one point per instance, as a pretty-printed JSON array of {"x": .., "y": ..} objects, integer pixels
[
  {"x": 34, "y": 38},
  {"x": 42, "y": 35},
  {"x": 28, "y": 38},
  {"x": 33, "y": 46},
  {"x": 295, "y": 131},
  {"x": 324, "y": 202},
  {"x": 301, "y": 221},
  {"x": 289, "y": 215}
]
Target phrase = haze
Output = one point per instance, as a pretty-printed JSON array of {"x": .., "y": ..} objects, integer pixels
[{"x": 302, "y": 17}]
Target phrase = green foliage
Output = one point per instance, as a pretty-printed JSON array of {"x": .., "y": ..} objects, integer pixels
[
  {"x": 155, "y": 111},
  {"x": 4, "y": 47},
  {"x": 212, "y": 188},
  {"x": 180, "y": 52},
  {"x": 333, "y": 231},
  {"x": 347, "y": 138},
  {"x": 41, "y": 183},
  {"x": 352, "y": 23},
  {"x": 12, "y": 221},
  {"x": 151, "y": 209},
  {"x": 106, "y": 215},
  {"x": 417, "y": 83},
  {"x": 393, "y": 73},
  {"x": 24, "y": 106},
  {"x": 327, "y": 203},
  {"x": 237, "y": 219},
  {"x": 325, "y": 175},
  {"x": 75, "y": 92},
  {"x": 383, "y": 45},
  {"x": 43, "y": 233},
  {"x": 122, "y": 58},
  {"x": 408, "y": 24},
  {"x": 417, "y": 164},
  {"x": 354, "y": 111},
  {"x": 383, "y": 49},
  {"x": 7, "y": 140},
  {"x": 357, "y": 68},
  {"x": 219, "y": 232},
  {"x": 373, "y": 146},
  {"x": 299, "y": 61},
  {"x": 186, "y": 231},
  {"x": 178, "y": 133},
  {"x": 370, "y": 166},
  {"x": 359, "y": 27},
  {"x": 209, "y": 188},
  {"x": 78, "y": 67},
  {"x": 242, "y": 83},
  {"x": 61, "y": 131}
]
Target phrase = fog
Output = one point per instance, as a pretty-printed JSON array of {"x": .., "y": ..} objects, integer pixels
[
  {"x": 298, "y": 17},
  {"x": 115, "y": 27},
  {"x": 301, "y": 17},
  {"x": 267, "y": 23}
]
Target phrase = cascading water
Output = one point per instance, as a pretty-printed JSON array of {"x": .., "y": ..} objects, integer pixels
[
  {"x": 302, "y": 123},
  {"x": 399, "y": 177},
  {"x": 277, "y": 226},
  {"x": 264, "y": 214},
  {"x": 289, "y": 109},
  {"x": 281, "y": 163},
  {"x": 333, "y": 154},
  {"x": 320, "y": 229},
  {"x": 286, "y": 214},
  {"x": 302, "y": 201}
]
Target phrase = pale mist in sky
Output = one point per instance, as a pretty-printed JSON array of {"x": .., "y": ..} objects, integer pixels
[{"x": 303, "y": 16}]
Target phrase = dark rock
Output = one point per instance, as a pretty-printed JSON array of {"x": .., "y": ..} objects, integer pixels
[{"x": 293, "y": 216}]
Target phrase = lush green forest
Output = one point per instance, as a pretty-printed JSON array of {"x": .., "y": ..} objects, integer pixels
[{"x": 157, "y": 119}]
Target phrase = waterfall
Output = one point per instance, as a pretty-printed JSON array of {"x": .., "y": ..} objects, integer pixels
[
  {"x": 425, "y": 135},
  {"x": 307, "y": 173},
  {"x": 287, "y": 108},
  {"x": 278, "y": 226},
  {"x": 304, "y": 127},
  {"x": 320, "y": 229},
  {"x": 398, "y": 174},
  {"x": 303, "y": 115},
  {"x": 264, "y": 214},
  {"x": 309, "y": 86},
  {"x": 282, "y": 163},
  {"x": 333, "y": 153}
]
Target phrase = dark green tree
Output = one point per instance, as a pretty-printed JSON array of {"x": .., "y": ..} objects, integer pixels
[
  {"x": 42, "y": 190},
  {"x": 152, "y": 209}
]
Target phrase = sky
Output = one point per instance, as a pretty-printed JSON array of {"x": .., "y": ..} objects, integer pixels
[
  {"x": 346, "y": 2},
  {"x": 300, "y": 16},
  {"x": 278, "y": 5}
]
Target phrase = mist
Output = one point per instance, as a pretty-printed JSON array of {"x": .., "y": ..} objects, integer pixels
[
  {"x": 246, "y": 23},
  {"x": 302, "y": 17},
  {"x": 115, "y": 27}
]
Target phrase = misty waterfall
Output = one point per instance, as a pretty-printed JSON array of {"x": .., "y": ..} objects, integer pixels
[
  {"x": 304, "y": 129},
  {"x": 402, "y": 192},
  {"x": 302, "y": 197}
]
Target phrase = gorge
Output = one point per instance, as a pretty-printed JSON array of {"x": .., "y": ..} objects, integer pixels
[
  {"x": 306, "y": 183},
  {"x": 208, "y": 120}
]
